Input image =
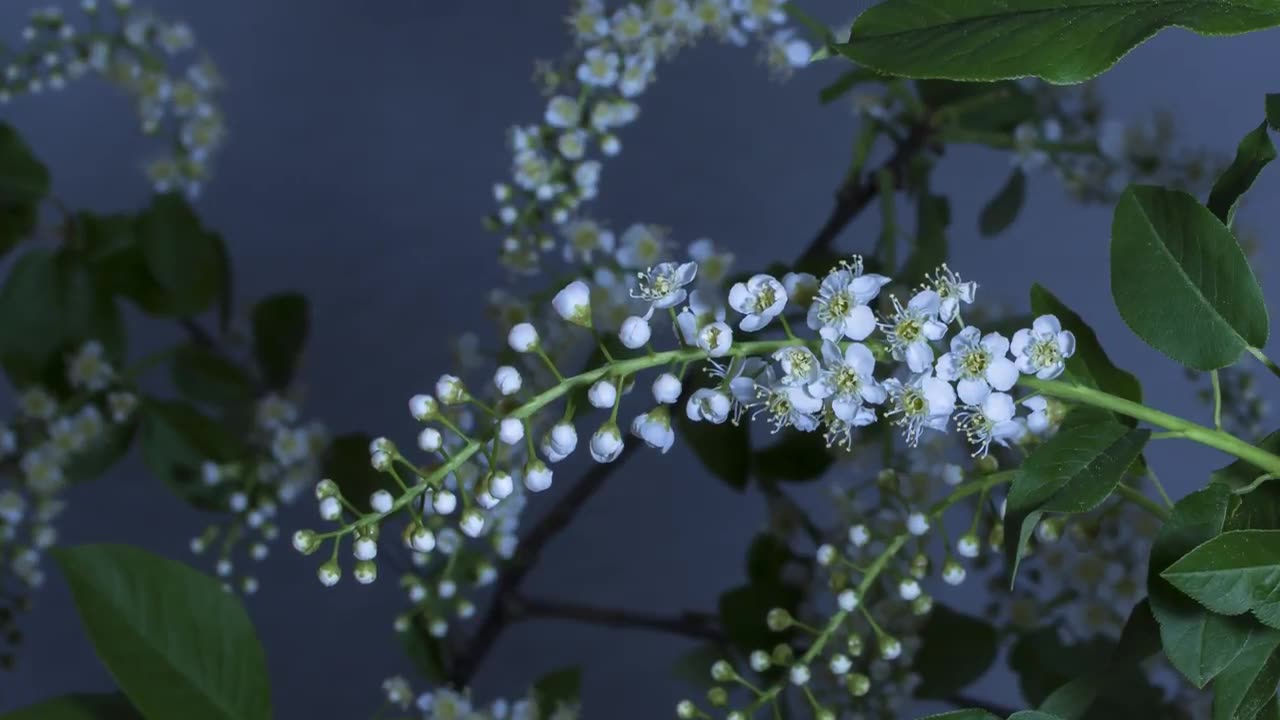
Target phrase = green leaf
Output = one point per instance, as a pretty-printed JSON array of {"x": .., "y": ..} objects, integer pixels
[
  {"x": 1003, "y": 209},
  {"x": 1139, "y": 640},
  {"x": 49, "y": 305},
  {"x": 956, "y": 649},
  {"x": 988, "y": 107},
  {"x": 346, "y": 462},
  {"x": 560, "y": 687},
  {"x": 90, "y": 462},
  {"x": 186, "y": 261},
  {"x": 1233, "y": 573},
  {"x": 1089, "y": 365},
  {"x": 80, "y": 706},
  {"x": 24, "y": 182},
  {"x": 176, "y": 439},
  {"x": 1259, "y": 509},
  {"x": 1061, "y": 41},
  {"x": 176, "y": 644},
  {"x": 1254, "y": 153},
  {"x": 1072, "y": 472},
  {"x": 427, "y": 653},
  {"x": 206, "y": 376},
  {"x": 796, "y": 457},
  {"x": 1200, "y": 644},
  {"x": 1273, "y": 111},
  {"x": 765, "y": 559},
  {"x": 724, "y": 449},
  {"x": 1248, "y": 684},
  {"x": 1044, "y": 663},
  {"x": 1181, "y": 281},
  {"x": 280, "y": 326},
  {"x": 1033, "y": 715},
  {"x": 967, "y": 714}
]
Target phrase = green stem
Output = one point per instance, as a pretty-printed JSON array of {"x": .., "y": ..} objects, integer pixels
[
  {"x": 1192, "y": 431},
  {"x": 1142, "y": 501},
  {"x": 1262, "y": 358},
  {"x": 1217, "y": 399}
]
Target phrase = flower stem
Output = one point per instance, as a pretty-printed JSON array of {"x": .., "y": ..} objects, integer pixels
[
  {"x": 1137, "y": 498},
  {"x": 1192, "y": 431},
  {"x": 1262, "y": 358},
  {"x": 1217, "y": 400}
]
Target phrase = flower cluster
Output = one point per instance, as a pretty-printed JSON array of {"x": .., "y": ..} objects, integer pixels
[
  {"x": 450, "y": 705},
  {"x": 135, "y": 50},
  {"x": 557, "y": 164},
  {"x": 49, "y": 444},
  {"x": 281, "y": 461}
]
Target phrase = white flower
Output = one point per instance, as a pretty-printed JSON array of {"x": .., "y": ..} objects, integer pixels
[
  {"x": 637, "y": 72},
  {"x": 666, "y": 388},
  {"x": 917, "y": 524},
  {"x": 707, "y": 404},
  {"x": 507, "y": 379},
  {"x": 606, "y": 443},
  {"x": 560, "y": 442},
  {"x": 953, "y": 292},
  {"x": 840, "y": 664},
  {"x": 859, "y": 535},
  {"x": 654, "y": 427},
  {"x": 422, "y": 407},
  {"x": 922, "y": 402},
  {"x": 840, "y": 308},
  {"x": 510, "y": 431},
  {"x": 450, "y": 390},
  {"x": 849, "y": 383},
  {"x": 968, "y": 546},
  {"x": 713, "y": 265},
  {"x": 663, "y": 284},
  {"x": 573, "y": 145},
  {"x": 715, "y": 339},
  {"x": 422, "y": 540},
  {"x": 760, "y": 298},
  {"x": 599, "y": 68},
  {"x": 799, "y": 674},
  {"x": 1044, "y": 349},
  {"x": 365, "y": 548},
  {"x": 89, "y": 369},
  {"x": 641, "y": 246},
  {"x": 381, "y": 501},
  {"x": 430, "y": 439},
  {"x": 603, "y": 394},
  {"x": 537, "y": 476},
  {"x": 758, "y": 13},
  {"x": 1038, "y": 420},
  {"x": 588, "y": 21},
  {"x": 990, "y": 420},
  {"x": 444, "y": 502},
  {"x": 913, "y": 327},
  {"x": 583, "y": 238},
  {"x": 979, "y": 362},
  {"x": 501, "y": 485},
  {"x": 786, "y": 405},
  {"x": 471, "y": 523},
  {"x": 522, "y": 338},
  {"x": 695, "y": 315},
  {"x": 802, "y": 288},
  {"x": 800, "y": 366},
  {"x": 848, "y": 600},
  {"x": 635, "y": 332},
  {"x": 908, "y": 589},
  {"x": 573, "y": 303},
  {"x": 330, "y": 508},
  {"x": 563, "y": 112}
]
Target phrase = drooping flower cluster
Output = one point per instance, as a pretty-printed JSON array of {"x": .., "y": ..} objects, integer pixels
[
  {"x": 445, "y": 704},
  {"x": 282, "y": 461},
  {"x": 557, "y": 164},
  {"x": 146, "y": 56},
  {"x": 47, "y": 446}
]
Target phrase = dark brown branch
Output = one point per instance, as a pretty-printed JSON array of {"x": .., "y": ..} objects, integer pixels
[
  {"x": 691, "y": 624},
  {"x": 468, "y": 658}
]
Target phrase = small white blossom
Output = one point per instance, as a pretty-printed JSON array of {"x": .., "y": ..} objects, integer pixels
[
  {"x": 635, "y": 332},
  {"x": 922, "y": 402},
  {"x": 444, "y": 502},
  {"x": 968, "y": 545},
  {"x": 953, "y": 292},
  {"x": 606, "y": 443},
  {"x": 430, "y": 439},
  {"x": 666, "y": 388},
  {"x": 537, "y": 476},
  {"x": 560, "y": 441},
  {"x": 761, "y": 298},
  {"x": 991, "y": 420},
  {"x": 715, "y": 339},
  {"x": 471, "y": 523},
  {"x": 908, "y": 589},
  {"x": 849, "y": 383},
  {"x": 510, "y": 431},
  {"x": 654, "y": 427},
  {"x": 979, "y": 362},
  {"x": 599, "y": 68},
  {"x": 917, "y": 524},
  {"x": 663, "y": 284},
  {"x": 913, "y": 327},
  {"x": 573, "y": 303},
  {"x": 603, "y": 394},
  {"x": 450, "y": 390},
  {"x": 859, "y": 535},
  {"x": 840, "y": 308},
  {"x": 422, "y": 407},
  {"x": 1043, "y": 350},
  {"x": 953, "y": 573},
  {"x": 708, "y": 405},
  {"x": 381, "y": 501},
  {"x": 799, "y": 675},
  {"x": 522, "y": 338},
  {"x": 563, "y": 112},
  {"x": 507, "y": 379}
]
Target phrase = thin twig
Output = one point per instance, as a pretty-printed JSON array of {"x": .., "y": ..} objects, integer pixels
[{"x": 690, "y": 624}]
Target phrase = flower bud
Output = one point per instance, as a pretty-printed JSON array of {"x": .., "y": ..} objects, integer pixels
[
  {"x": 760, "y": 661},
  {"x": 716, "y": 339},
  {"x": 606, "y": 443},
  {"x": 908, "y": 589},
  {"x": 522, "y": 338},
  {"x": 603, "y": 394},
  {"x": 848, "y": 600},
  {"x": 953, "y": 573},
  {"x": 365, "y": 572},
  {"x": 686, "y": 710},
  {"x": 380, "y": 461},
  {"x": 826, "y": 555},
  {"x": 510, "y": 431},
  {"x": 381, "y": 501},
  {"x": 635, "y": 332},
  {"x": 839, "y": 664},
  {"x": 472, "y": 523},
  {"x": 858, "y": 684},
  {"x": 917, "y": 524},
  {"x": 573, "y": 303},
  {"x": 380, "y": 444},
  {"x": 450, "y": 390},
  {"x": 501, "y": 485},
  {"x": 968, "y": 545},
  {"x": 799, "y": 675},
  {"x": 421, "y": 539},
  {"x": 508, "y": 380},
  {"x": 326, "y": 488},
  {"x": 718, "y": 696},
  {"x": 560, "y": 442},
  {"x": 721, "y": 671},
  {"x": 444, "y": 502},
  {"x": 710, "y": 405},
  {"x": 537, "y": 476},
  {"x": 890, "y": 648},
  {"x": 329, "y": 574},
  {"x": 365, "y": 548},
  {"x": 305, "y": 542},
  {"x": 666, "y": 389},
  {"x": 423, "y": 407},
  {"x": 430, "y": 439},
  {"x": 859, "y": 535},
  {"x": 778, "y": 619},
  {"x": 330, "y": 508}
]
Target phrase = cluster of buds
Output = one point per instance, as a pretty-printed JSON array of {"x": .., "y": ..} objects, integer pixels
[
  {"x": 446, "y": 704},
  {"x": 138, "y": 52}
]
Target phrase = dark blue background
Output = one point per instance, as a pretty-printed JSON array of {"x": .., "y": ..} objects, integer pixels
[{"x": 364, "y": 140}]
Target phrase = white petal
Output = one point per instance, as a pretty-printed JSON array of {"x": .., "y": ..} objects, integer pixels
[
  {"x": 946, "y": 367},
  {"x": 973, "y": 392},
  {"x": 1046, "y": 325},
  {"x": 925, "y": 301},
  {"x": 996, "y": 344},
  {"x": 753, "y": 322},
  {"x": 1002, "y": 373},
  {"x": 860, "y": 323},
  {"x": 740, "y": 297},
  {"x": 998, "y": 407},
  {"x": 873, "y": 392},
  {"x": 1021, "y": 339},
  {"x": 1067, "y": 343},
  {"x": 860, "y": 358},
  {"x": 919, "y": 357},
  {"x": 934, "y": 330}
]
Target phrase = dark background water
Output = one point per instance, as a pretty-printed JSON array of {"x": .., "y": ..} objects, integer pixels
[{"x": 364, "y": 139}]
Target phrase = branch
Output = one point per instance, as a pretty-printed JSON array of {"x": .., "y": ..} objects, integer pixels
[
  {"x": 855, "y": 194},
  {"x": 705, "y": 626},
  {"x": 468, "y": 659}
]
